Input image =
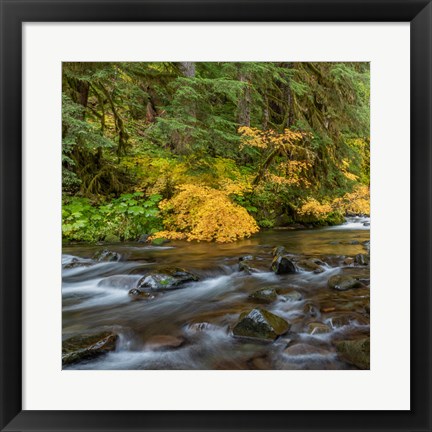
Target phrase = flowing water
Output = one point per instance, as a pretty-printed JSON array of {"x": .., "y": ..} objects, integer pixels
[{"x": 201, "y": 315}]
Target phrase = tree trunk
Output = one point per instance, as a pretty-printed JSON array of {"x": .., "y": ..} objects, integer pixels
[
  {"x": 182, "y": 142},
  {"x": 244, "y": 103},
  {"x": 288, "y": 96}
]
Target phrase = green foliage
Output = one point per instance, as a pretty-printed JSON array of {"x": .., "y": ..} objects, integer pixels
[
  {"x": 127, "y": 217},
  {"x": 154, "y": 127}
]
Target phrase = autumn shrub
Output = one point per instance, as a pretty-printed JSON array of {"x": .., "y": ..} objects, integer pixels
[
  {"x": 203, "y": 213},
  {"x": 355, "y": 202}
]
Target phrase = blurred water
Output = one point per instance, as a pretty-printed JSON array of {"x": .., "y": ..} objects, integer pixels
[{"x": 95, "y": 297}]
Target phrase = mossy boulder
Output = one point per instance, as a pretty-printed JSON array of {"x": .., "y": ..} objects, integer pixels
[
  {"x": 266, "y": 295},
  {"x": 283, "y": 265},
  {"x": 343, "y": 282},
  {"x": 260, "y": 324},
  {"x": 166, "y": 279},
  {"x": 87, "y": 346},
  {"x": 355, "y": 352}
]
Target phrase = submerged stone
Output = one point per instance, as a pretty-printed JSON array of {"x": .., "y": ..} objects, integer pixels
[
  {"x": 310, "y": 265},
  {"x": 86, "y": 347},
  {"x": 164, "y": 342},
  {"x": 267, "y": 295},
  {"x": 317, "y": 328},
  {"x": 343, "y": 282},
  {"x": 292, "y": 296},
  {"x": 303, "y": 349},
  {"x": 260, "y": 324},
  {"x": 283, "y": 265}
]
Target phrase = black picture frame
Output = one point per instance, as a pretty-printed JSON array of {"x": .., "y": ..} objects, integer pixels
[{"x": 15, "y": 12}]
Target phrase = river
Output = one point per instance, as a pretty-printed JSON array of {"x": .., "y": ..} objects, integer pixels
[{"x": 191, "y": 327}]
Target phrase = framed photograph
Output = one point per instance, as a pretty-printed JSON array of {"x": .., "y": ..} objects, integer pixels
[{"x": 215, "y": 215}]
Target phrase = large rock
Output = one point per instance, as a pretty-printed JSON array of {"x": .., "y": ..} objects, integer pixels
[
  {"x": 166, "y": 279},
  {"x": 106, "y": 255},
  {"x": 343, "y": 282},
  {"x": 355, "y": 352},
  {"x": 283, "y": 265},
  {"x": 267, "y": 295},
  {"x": 86, "y": 347},
  {"x": 260, "y": 324}
]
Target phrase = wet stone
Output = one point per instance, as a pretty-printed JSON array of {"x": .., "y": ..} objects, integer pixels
[
  {"x": 87, "y": 346},
  {"x": 164, "y": 342},
  {"x": 362, "y": 259},
  {"x": 317, "y": 328},
  {"x": 343, "y": 282},
  {"x": 279, "y": 250},
  {"x": 106, "y": 255},
  {"x": 267, "y": 295},
  {"x": 260, "y": 324},
  {"x": 166, "y": 279},
  {"x": 137, "y": 294},
  {"x": 303, "y": 349},
  {"x": 283, "y": 265},
  {"x": 291, "y": 296},
  {"x": 309, "y": 265},
  {"x": 355, "y": 352}
]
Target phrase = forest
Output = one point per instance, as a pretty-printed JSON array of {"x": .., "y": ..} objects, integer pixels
[{"x": 211, "y": 151}]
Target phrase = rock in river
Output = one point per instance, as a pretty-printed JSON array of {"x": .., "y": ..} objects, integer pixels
[
  {"x": 164, "y": 342},
  {"x": 343, "y": 282},
  {"x": 85, "y": 347},
  {"x": 267, "y": 295},
  {"x": 317, "y": 328},
  {"x": 283, "y": 265},
  {"x": 279, "y": 250},
  {"x": 106, "y": 255},
  {"x": 166, "y": 279},
  {"x": 310, "y": 265},
  {"x": 137, "y": 294},
  {"x": 260, "y": 324},
  {"x": 356, "y": 352}
]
